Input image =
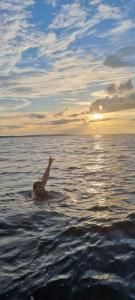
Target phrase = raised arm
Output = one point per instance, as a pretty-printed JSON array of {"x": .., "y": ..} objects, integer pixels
[{"x": 47, "y": 171}]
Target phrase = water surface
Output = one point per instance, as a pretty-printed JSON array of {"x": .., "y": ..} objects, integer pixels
[{"x": 80, "y": 243}]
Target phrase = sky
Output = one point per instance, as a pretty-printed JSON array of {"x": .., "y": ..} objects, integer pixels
[{"x": 67, "y": 67}]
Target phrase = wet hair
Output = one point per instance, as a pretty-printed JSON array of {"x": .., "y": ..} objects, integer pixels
[
  {"x": 39, "y": 190},
  {"x": 36, "y": 184}
]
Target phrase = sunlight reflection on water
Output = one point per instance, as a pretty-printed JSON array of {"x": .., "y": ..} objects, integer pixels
[{"x": 84, "y": 232}]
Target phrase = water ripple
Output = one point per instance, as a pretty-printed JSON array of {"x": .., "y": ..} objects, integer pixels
[{"x": 80, "y": 243}]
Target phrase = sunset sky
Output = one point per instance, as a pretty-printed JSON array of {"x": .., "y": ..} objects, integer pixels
[{"x": 67, "y": 67}]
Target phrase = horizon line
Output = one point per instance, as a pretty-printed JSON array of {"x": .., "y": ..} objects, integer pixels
[{"x": 61, "y": 134}]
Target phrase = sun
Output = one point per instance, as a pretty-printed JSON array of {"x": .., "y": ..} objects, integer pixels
[{"x": 97, "y": 116}]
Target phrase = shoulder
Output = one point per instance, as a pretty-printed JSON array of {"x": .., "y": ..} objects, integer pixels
[
  {"x": 34, "y": 197},
  {"x": 46, "y": 195}
]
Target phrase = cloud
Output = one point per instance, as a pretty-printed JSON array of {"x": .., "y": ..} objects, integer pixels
[
  {"x": 115, "y": 103},
  {"x": 51, "y": 2},
  {"x": 74, "y": 115},
  {"x": 109, "y": 12},
  {"x": 116, "y": 61},
  {"x": 11, "y": 126},
  {"x": 95, "y": 2},
  {"x": 65, "y": 121},
  {"x": 72, "y": 74},
  {"x": 123, "y": 98},
  {"x": 13, "y": 104},
  {"x": 125, "y": 87},
  {"x": 76, "y": 17},
  {"x": 61, "y": 113},
  {"x": 72, "y": 15},
  {"x": 15, "y": 5},
  {"x": 127, "y": 51},
  {"x": 20, "y": 35},
  {"x": 14, "y": 25},
  {"x": 125, "y": 57},
  {"x": 121, "y": 27},
  {"x": 36, "y": 116},
  {"x": 56, "y": 69}
]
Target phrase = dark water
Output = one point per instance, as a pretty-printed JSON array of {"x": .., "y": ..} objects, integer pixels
[{"x": 80, "y": 243}]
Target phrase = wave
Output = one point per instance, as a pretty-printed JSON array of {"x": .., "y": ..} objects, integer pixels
[{"x": 79, "y": 244}]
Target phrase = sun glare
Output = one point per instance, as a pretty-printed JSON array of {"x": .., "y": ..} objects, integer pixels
[{"x": 97, "y": 116}]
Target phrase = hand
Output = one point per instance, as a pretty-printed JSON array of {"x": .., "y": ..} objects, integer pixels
[{"x": 50, "y": 160}]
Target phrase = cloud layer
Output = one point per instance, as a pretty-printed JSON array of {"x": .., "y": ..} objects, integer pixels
[
  {"x": 123, "y": 98},
  {"x": 55, "y": 55}
]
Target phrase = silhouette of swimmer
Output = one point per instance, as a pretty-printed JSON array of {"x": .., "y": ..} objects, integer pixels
[{"x": 39, "y": 191}]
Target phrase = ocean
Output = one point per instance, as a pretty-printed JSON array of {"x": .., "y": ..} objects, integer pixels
[{"x": 80, "y": 243}]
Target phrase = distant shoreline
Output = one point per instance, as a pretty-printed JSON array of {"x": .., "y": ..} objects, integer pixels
[{"x": 53, "y": 135}]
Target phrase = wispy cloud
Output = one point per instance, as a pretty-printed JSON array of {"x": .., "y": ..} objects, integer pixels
[
  {"x": 14, "y": 22},
  {"x": 58, "y": 60},
  {"x": 7, "y": 104},
  {"x": 109, "y": 12},
  {"x": 36, "y": 116},
  {"x": 64, "y": 121},
  {"x": 120, "y": 28},
  {"x": 61, "y": 113},
  {"x": 12, "y": 127},
  {"x": 72, "y": 15},
  {"x": 72, "y": 74}
]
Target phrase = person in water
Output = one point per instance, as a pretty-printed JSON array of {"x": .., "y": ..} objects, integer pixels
[{"x": 39, "y": 186}]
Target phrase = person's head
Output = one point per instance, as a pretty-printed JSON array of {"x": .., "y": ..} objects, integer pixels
[{"x": 39, "y": 189}]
